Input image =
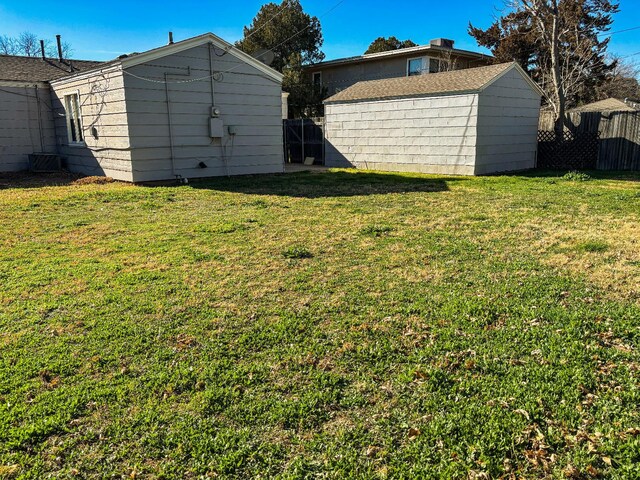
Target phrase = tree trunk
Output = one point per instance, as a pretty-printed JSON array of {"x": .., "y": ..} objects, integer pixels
[{"x": 558, "y": 85}]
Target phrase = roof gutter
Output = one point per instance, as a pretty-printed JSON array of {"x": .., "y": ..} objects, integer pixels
[{"x": 112, "y": 67}]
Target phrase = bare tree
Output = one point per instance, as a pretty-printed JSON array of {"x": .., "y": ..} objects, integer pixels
[
  {"x": 573, "y": 47},
  {"x": 7, "y": 45},
  {"x": 448, "y": 62},
  {"x": 623, "y": 81},
  {"x": 27, "y": 44}
]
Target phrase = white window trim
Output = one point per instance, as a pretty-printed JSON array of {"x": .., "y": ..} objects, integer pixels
[
  {"x": 426, "y": 64},
  {"x": 67, "y": 108}
]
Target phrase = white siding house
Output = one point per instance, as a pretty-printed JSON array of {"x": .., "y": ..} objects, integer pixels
[
  {"x": 26, "y": 125},
  {"x": 26, "y": 120},
  {"x": 468, "y": 122},
  {"x": 195, "y": 108}
]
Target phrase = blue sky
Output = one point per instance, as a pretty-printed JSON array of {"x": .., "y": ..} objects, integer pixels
[{"x": 105, "y": 30}]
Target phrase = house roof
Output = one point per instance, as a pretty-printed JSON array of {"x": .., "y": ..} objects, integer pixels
[
  {"x": 34, "y": 69},
  {"x": 459, "y": 81},
  {"x": 420, "y": 49},
  {"x": 608, "y": 105},
  {"x": 133, "y": 59}
]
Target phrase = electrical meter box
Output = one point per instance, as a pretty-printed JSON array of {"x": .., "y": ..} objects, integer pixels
[{"x": 216, "y": 128}]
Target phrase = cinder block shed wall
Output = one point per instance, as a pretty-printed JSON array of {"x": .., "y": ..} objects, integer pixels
[
  {"x": 426, "y": 135},
  {"x": 508, "y": 116}
]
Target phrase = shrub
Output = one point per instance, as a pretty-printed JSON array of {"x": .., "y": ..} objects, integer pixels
[
  {"x": 575, "y": 176},
  {"x": 297, "y": 252},
  {"x": 377, "y": 230}
]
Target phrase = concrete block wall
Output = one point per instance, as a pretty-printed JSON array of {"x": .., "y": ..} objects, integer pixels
[
  {"x": 508, "y": 118},
  {"x": 428, "y": 135}
]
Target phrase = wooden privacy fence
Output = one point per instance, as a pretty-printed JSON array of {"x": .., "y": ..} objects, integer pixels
[
  {"x": 617, "y": 133},
  {"x": 304, "y": 139}
]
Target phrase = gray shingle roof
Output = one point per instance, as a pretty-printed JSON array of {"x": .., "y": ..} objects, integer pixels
[
  {"x": 458, "y": 81},
  {"x": 35, "y": 69},
  {"x": 608, "y": 105}
]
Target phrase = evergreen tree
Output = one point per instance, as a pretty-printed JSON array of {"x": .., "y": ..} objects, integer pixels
[
  {"x": 295, "y": 38},
  {"x": 559, "y": 42},
  {"x": 382, "y": 44}
]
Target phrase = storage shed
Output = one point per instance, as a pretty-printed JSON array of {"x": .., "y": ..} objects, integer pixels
[
  {"x": 195, "y": 108},
  {"x": 469, "y": 122}
]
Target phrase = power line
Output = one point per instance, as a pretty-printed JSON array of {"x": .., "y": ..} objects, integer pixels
[
  {"x": 151, "y": 80},
  {"x": 606, "y": 34}
]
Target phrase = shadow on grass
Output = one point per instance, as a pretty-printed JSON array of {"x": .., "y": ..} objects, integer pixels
[
  {"x": 36, "y": 180},
  {"x": 597, "y": 174},
  {"x": 327, "y": 184}
]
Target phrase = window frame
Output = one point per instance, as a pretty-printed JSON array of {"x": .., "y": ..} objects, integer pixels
[
  {"x": 426, "y": 65},
  {"x": 313, "y": 79},
  {"x": 73, "y": 112}
]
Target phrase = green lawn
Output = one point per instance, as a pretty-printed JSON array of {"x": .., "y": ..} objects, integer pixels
[{"x": 322, "y": 325}]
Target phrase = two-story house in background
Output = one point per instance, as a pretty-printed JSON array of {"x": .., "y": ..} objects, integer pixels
[{"x": 440, "y": 55}]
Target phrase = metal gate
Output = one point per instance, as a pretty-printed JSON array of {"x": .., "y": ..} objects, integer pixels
[{"x": 304, "y": 141}]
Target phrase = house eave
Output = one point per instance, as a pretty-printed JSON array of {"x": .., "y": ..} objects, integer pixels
[
  {"x": 177, "y": 47},
  {"x": 20, "y": 83},
  {"x": 397, "y": 53},
  {"x": 86, "y": 74},
  {"x": 166, "y": 50}
]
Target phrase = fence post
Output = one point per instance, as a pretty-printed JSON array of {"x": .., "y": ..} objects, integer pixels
[{"x": 302, "y": 137}]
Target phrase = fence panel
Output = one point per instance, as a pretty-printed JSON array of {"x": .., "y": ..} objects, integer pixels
[
  {"x": 304, "y": 139},
  {"x": 618, "y": 132}
]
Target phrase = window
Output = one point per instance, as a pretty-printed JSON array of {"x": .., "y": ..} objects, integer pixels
[
  {"x": 74, "y": 119},
  {"x": 415, "y": 66},
  {"x": 422, "y": 65},
  {"x": 317, "y": 79}
]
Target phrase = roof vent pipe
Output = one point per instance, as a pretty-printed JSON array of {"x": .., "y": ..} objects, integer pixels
[
  {"x": 44, "y": 57},
  {"x": 59, "y": 42},
  {"x": 170, "y": 38}
]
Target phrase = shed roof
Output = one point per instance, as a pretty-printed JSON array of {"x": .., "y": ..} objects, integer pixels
[
  {"x": 15, "y": 68},
  {"x": 459, "y": 81},
  {"x": 608, "y": 105}
]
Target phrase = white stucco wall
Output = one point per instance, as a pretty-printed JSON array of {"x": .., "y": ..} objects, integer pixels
[{"x": 427, "y": 135}]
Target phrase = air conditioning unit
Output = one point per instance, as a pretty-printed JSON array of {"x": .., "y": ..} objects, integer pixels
[
  {"x": 442, "y": 42},
  {"x": 44, "y": 162}
]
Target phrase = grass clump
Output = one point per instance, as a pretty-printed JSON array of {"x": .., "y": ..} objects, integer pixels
[
  {"x": 377, "y": 230},
  {"x": 297, "y": 252},
  {"x": 576, "y": 176},
  {"x": 593, "y": 246}
]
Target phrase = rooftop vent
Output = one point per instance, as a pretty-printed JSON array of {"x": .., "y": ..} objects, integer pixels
[{"x": 442, "y": 42}]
